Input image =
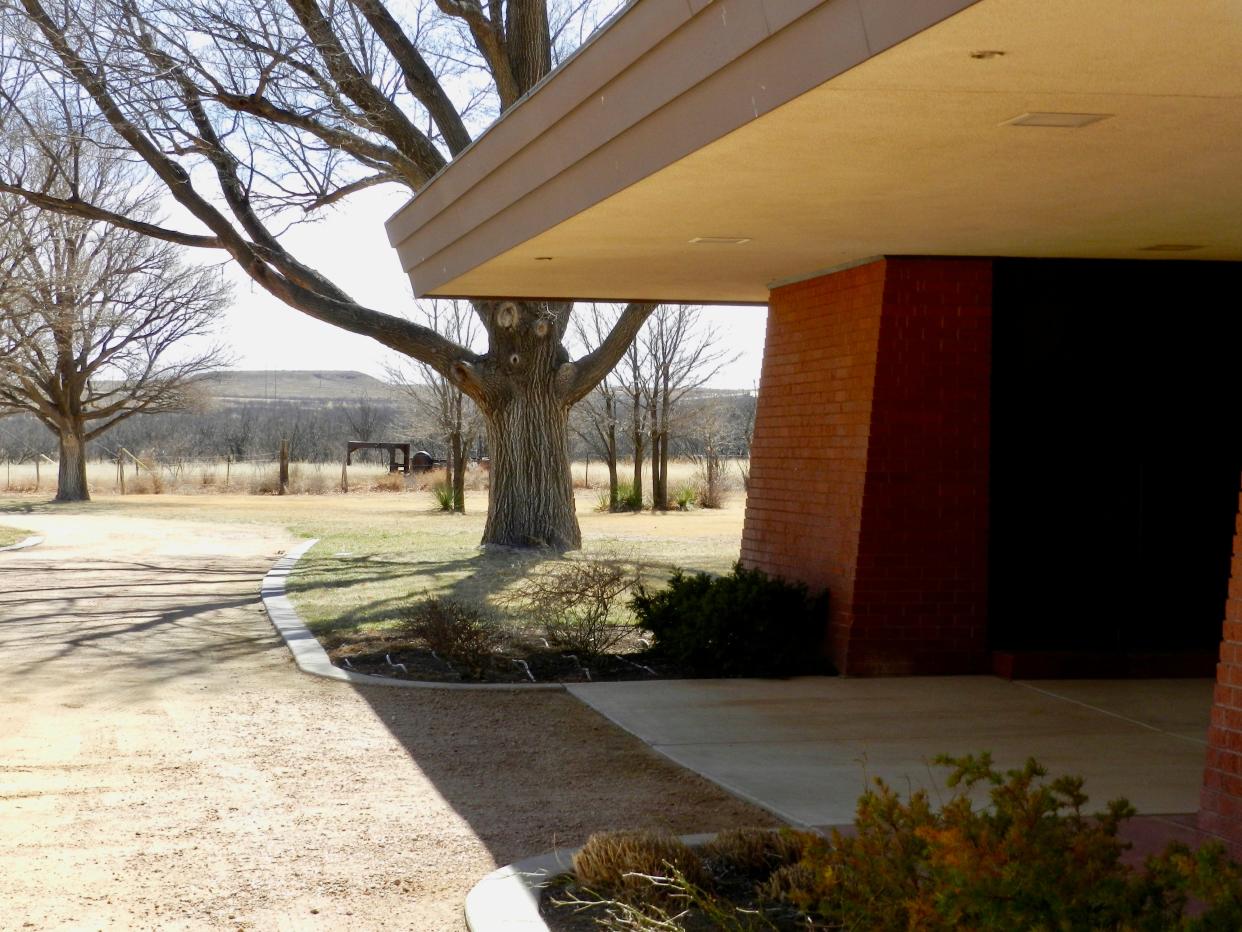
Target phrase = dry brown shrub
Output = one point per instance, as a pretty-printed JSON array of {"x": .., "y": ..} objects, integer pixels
[
  {"x": 266, "y": 482},
  {"x": 314, "y": 484},
  {"x": 148, "y": 482},
  {"x": 792, "y": 883},
  {"x": 579, "y": 604},
  {"x": 755, "y": 852},
  {"x": 389, "y": 482},
  {"x": 619, "y": 863},
  {"x": 460, "y": 633}
]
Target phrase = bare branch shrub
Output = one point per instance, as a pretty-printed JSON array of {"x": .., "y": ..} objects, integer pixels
[
  {"x": 579, "y": 605},
  {"x": 460, "y": 633}
]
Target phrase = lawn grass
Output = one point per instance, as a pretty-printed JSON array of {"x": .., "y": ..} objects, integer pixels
[
  {"x": 12, "y": 535},
  {"x": 354, "y": 581},
  {"x": 377, "y": 550}
]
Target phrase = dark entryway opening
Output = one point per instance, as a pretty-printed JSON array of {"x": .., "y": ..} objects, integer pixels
[{"x": 1116, "y": 457}]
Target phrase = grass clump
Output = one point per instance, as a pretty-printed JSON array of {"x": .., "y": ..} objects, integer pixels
[
  {"x": 754, "y": 853},
  {"x": 629, "y": 498},
  {"x": 442, "y": 492},
  {"x": 743, "y": 623},
  {"x": 620, "y": 863},
  {"x": 685, "y": 496},
  {"x": 460, "y": 633}
]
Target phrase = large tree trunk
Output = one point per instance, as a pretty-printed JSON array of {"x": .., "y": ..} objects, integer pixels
[
  {"x": 532, "y": 498},
  {"x": 71, "y": 479}
]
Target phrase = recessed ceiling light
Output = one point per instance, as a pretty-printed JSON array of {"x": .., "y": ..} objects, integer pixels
[
  {"x": 1057, "y": 120},
  {"x": 1170, "y": 247},
  {"x": 720, "y": 240},
  {"x": 987, "y": 53}
]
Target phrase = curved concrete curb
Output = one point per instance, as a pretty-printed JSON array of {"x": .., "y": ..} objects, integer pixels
[
  {"x": 32, "y": 541},
  {"x": 313, "y": 659},
  {"x": 507, "y": 899}
]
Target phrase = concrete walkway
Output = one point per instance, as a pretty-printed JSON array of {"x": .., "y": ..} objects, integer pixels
[{"x": 804, "y": 748}]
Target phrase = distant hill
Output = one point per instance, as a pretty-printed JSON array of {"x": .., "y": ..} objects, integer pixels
[{"x": 297, "y": 385}]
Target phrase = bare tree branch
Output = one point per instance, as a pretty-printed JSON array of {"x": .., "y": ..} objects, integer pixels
[{"x": 580, "y": 376}]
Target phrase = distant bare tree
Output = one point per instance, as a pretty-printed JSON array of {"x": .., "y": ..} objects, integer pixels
[
  {"x": 437, "y": 397},
  {"x": 634, "y": 380},
  {"x": 682, "y": 355},
  {"x": 95, "y": 315},
  {"x": 368, "y": 420},
  {"x": 598, "y": 412}
]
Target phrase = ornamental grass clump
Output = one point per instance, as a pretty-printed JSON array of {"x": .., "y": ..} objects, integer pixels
[
  {"x": 754, "y": 853},
  {"x": 621, "y": 864}
]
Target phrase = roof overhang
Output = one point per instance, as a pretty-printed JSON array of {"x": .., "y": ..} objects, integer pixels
[{"x": 707, "y": 151}]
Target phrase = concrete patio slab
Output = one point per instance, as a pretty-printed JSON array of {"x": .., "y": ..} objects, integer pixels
[{"x": 805, "y": 748}]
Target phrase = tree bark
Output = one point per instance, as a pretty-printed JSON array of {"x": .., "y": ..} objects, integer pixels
[
  {"x": 532, "y": 500},
  {"x": 459, "y": 473},
  {"x": 71, "y": 478},
  {"x": 612, "y": 466}
]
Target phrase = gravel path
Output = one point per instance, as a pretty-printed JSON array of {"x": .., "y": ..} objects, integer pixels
[{"x": 163, "y": 765}]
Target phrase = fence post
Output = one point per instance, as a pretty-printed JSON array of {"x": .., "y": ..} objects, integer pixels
[
  {"x": 345, "y": 476},
  {"x": 37, "y": 479},
  {"x": 284, "y": 467},
  {"x": 120, "y": 469},
  {"x": 228, "y": 468}
]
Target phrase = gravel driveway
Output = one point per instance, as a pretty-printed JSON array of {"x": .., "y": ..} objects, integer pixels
[{"x": 163, "y": 765}]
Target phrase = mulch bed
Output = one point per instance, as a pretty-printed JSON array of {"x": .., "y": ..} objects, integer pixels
[{"x": 400, "y": 659}]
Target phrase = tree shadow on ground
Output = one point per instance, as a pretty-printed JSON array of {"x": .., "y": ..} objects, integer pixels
[
  {"x": 525, "y": 770},
  {"x": 531, "y": 770},
  {"x": 112, "y": 615}
]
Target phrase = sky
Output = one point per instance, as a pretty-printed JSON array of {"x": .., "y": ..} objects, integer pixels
[{"x": 350, "y": 246}]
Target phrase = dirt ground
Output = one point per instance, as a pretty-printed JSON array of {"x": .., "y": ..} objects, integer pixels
[{"x": 163, "y": 765}]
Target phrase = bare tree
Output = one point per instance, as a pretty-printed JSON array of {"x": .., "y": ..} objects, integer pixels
[
  {"x": 94, "y": 320},
  {"x": 682, "y": 355},
  {"x": 599, "y": 412},
  {"x": 253, "y": 113},
  {"x": 438, "y": 398}
]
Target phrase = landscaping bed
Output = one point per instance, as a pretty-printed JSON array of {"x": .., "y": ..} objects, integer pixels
[
  {"x": 398, "y": 659},
  {"x": 1031, "y": 857},
  {"x": 593, "y": 618}
]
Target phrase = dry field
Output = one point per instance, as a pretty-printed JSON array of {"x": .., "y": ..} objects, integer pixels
[{"x": 259, "y": 476}]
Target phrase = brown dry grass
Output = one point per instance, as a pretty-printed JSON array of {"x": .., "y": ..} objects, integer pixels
[{"x": 619, "y": 863}]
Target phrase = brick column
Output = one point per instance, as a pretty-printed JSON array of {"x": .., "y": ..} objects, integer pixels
[
  {"x": 869, "y": 467},
  {"x": 1221, "y": 800}
]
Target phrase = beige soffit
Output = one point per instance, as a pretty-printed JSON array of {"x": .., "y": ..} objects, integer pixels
[{"x": 915, "y": 150}]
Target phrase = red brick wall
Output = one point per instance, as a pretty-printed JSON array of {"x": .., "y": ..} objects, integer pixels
[
  {"x": 809, "y": 454},
  {"x": 869, "y": 468},
  {"x": 1221, "y": 801},
  {"x": 920, "y": 593}
]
